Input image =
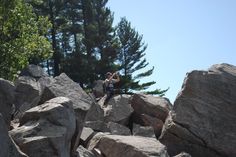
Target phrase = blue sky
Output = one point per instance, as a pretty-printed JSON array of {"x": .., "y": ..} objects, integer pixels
[{"x": 182, "y": 35}]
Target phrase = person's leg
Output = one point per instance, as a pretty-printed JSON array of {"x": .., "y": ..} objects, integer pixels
[{"x": 109, "y": 95}]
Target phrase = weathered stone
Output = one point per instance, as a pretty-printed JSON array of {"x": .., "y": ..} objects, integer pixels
[
  {"x": 183, "y": 154},
  {"x": 155, "y": 123},
  {"x": 28, "y": 92},
  {"x": 86, "y": 135},
  {"x": 177, "y": 139},
  {"x": 96, "y": 138},
  {"x": 154, "y": 106},
  {"x": 145, "y": 131},
  {"x": 205, "y": 110},
  {"x": 98, "y": 88},
  {"x": 131, "y": 146},
  {"x": 8, "y": 147},
  {"x": 7, "y": 96},
  {"x": 118, "y": 129},
  {"x": 82, "y": 152},
  {"x": 98, "y": 126},
  {"x": 47, "y": 129},
  {"x": 33, "y": 71},
  {"x": 64, "y": 86},
  {"x": 118, "y": 109},
  {"x": 95, "y": 113}
]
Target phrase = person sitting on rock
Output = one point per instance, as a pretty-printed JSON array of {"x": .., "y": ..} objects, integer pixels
[{"x": 109, "y": 85}]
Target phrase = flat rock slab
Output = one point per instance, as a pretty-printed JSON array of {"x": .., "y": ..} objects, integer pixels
[{"x": 130, "y": 146}]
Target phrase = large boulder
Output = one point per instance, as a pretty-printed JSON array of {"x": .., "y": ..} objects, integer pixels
[
  {"x": 82, "y": 152},
  {"x": 8, "y": 147},
  {"x": 63, "y": 86},
  {"x": 33, "y": 71},
  {"x": 145, "y": 131},
  {"x": 117, "y": 129},
  {"x": 155, "y": 123},
  {"x": 95, "y": 113},
  {"x": 158, "y": 107},
  {"x": 46, "y": 130},
  {"x": 131, "y": 146},
  {"x": 203, "y": 119},
  {"x": 7, "y": 96},
  {"x": 118, "y": 109},
  {"x": 98, "y": 88},
  {"x": 27, "y": 94}
]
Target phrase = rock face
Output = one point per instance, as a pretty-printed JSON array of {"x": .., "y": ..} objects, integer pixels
[
  {"x": 55, "y": 110},
  {"x": 82, "y": 152},
  {"x": 158, "y": 107},
  {"x": 33, "y": 71},
  {"x": 118, "y": 110},
  {"x": 130, "y": 146},
  {"x": 7, "y": 95},
  {"x": 203, "y": 119},
  {"x": 145, "y": 131},
  {"x": 63, "y": 86},
  {"x": 28, "y": 92},
  {"x": 98, "y": 88},
  {"x": 47, "y": 129},
  {"x": 8, "y": 147}
]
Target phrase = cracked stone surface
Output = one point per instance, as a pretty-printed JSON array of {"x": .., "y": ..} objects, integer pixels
[{"x": 203, "y": 117}]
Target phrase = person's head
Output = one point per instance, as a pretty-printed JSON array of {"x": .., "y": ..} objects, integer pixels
[{"x": 108, "y": 75}]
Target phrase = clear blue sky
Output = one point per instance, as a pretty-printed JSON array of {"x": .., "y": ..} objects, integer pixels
[{"x": 182, "y": 35}]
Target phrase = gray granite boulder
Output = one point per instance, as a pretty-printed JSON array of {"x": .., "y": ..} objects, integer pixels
[
  {"x": 118, "y": 109},
  {"x": 8, "y": 147},
  {"x": 27, "y": 94},
  {"x": 33, "y": 71},
  {"x": 7, "y": 96},
  {"x": 203, "y": 119},
  {"x": 154, "y": 106},
  {"x": 130, "y": 146},
  {"x": 47, "y": 129}
]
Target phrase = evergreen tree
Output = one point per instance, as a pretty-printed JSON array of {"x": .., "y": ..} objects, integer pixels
[
  {"x": 106, "y": 40},
  {"x": 54, "y": 10},
  {"x": 131, "y": 59},
  {"x": 21, "y": 37}
]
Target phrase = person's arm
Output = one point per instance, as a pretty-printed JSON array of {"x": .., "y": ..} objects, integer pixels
[{"x": 117, "y": 78}]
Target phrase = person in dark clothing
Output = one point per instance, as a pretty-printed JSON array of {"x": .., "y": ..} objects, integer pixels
[{"x": 109, "y": 85}]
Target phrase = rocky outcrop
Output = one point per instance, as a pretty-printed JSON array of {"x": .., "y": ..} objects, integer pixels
[
  {"x": 118, "y": 109},
  {"x": 33, "y": 71},
  {"x": 203, "y": 119},
  {"x": 117, "y": 129},
  {"x": 98, "y": 88},
  {"x": 63, "y": 86},
  {"x": 55, "y": 110},
  {"x": 82, "y": 152},
  {"x": 145, "y": 131},
  {"x": 28, "y": 92},
  {"x": 47, "y": 129},
  {"x": 7, "y": 96},
  {"x": 8, "y": 147},
  {"x": 130, "y": 146},
  {"x": 158, "y": 107}
]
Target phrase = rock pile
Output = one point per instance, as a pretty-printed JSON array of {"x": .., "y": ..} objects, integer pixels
[{"x": 54, "y": 117}]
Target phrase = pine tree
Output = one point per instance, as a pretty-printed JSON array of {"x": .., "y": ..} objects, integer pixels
[
  {"x": 106, "y": 40},
  {"x": 131, "y": 59}
]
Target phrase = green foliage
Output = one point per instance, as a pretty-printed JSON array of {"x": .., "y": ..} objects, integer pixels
[
  {"x": 21, "y": 37},
  {"x": 131, "y": 59},
  {"x": 86, "y": 45}
]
